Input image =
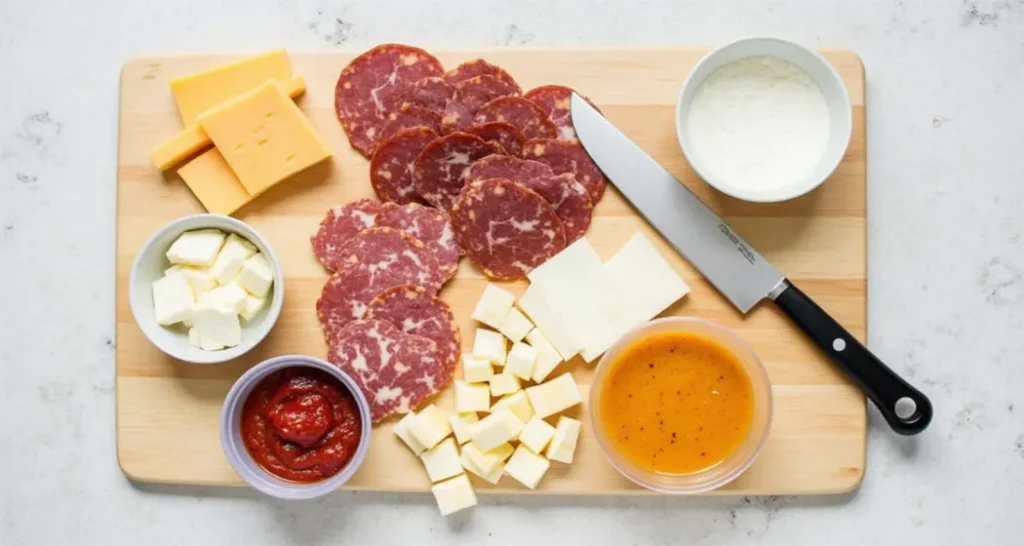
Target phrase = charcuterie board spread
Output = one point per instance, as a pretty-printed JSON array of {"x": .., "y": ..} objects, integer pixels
[{"x": 443, "y": 239}]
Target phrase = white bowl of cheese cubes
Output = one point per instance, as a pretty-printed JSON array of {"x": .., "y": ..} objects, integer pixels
[{"x": 206, "y": 288}]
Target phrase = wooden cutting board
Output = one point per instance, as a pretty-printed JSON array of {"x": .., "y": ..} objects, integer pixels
[{"x": 168, "y": 411}]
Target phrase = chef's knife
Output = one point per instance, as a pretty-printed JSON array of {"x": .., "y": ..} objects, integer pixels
[{"x": 742, "y": 275}]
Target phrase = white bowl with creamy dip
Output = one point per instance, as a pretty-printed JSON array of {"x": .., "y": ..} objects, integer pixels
[{"x": 764, "y": 119}]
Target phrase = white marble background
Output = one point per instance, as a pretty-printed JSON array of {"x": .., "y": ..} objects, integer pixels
[{"x": 946, "y": 201}]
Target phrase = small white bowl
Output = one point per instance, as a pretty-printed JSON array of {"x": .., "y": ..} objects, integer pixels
[
  {"x": 819, "y": 70},
  {"x": 149, "y": 266}
]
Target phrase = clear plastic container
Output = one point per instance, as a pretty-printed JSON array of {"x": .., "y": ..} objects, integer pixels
[{"x": 710, "y": 478}]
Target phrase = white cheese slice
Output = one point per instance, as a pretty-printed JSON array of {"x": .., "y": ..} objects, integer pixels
[
  {"x": 172, "y": 299},
  {"x": 256, "y": 276},
  {"x": 518, "y": 403},
  {"x": 536, "y": 435},
  {"x": 496, "y": 429},
  {"x": 470, "y": 397},
  {"x": 442, "y": 461},
  {"x": 520, "y": 361},
  {"x": 253, "y": 306},
  {"x": 504, "y": 383},
  {"x": 486, "y": 461},
  {"x": 230, "y": 296},
  {"x": 493, "y": 306},
  {"x": 563, "y": 443},
  {"x": 644, "y": 277},
  {"x": 527, "y": 467},
  {"x": 216, "y": 327},
  {"x": 515, "y": 326},
  {"x": 557, "y": 327},
  {"x": 454, "y": 495},
  {"x": 199, "y": 247},
  {"x": 489, "y": 345},
  {"x": 476, "y": 370},
  {"x": 557, "y": 395},
  {"x": 230, "y": 258},
  {"x": 404, "y": 433},
  {"x": 429, "y": 426},
  {"x": 493, "y": 477},
  {"x": 547, "y": 357},
  {"x": 462, "y": 425}
]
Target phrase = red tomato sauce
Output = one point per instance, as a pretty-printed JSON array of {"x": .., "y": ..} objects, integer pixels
[{"x": 301, "y": 424}]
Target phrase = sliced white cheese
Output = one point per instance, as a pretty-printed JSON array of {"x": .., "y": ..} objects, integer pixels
[
  {"x": 198, "y": 248},
  {"x": 401, "y": 430},
  {"x": 520, "y": 361},
  {"x": 462, "y": 425},
  {"x": 547, "y": 357},
  {"x": 493, "y": 306},
  {"x": 216, "y": 327},
  {"x": 493, "y": 477},
  {"x": 515, "y": 326},
  {"x": 476, "y": 370},
  {"x": 486, "y": 461},
  {"x": 526, "y": 467},
  {"x": 557, "y": 395},
  {"x": 536, "y": 435},
  {"x": 556, "y": 326},
  {"x": 172, "y": 299},
  {"x": 256, "y": 276},
  {"x": 230, "y": 258},
  {"x": 470, "y": 397},
  {"x": 504, "y": 383},
  {"x": 563, "y": 443},
  {"x": 496, "y": 429},
  {"x": 489, "y": 345},
  {"x": 518, "y": 403},
  {"x": 442, "y": 460},
  {"x": 454, "y": 494},
  {"x": 644, "y": 277},
  {"x": 429, "y": 426}
]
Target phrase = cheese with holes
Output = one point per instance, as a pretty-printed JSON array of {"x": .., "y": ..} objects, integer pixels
[
  {"x": 470, "y": 397},
  {"x": 556, "y": 326},
  {"x": 536, "y": 435},
  {"x": 454, "y": 494},
  {"x": 442, "y": 460},
  {"x": 520, "y": 361},
  {"x": 526, "y": 467},
  {"x": 429, "y": 426},
  {"x": 486, "y": 461},
  {"x": 462, "y": 425},
  {"x": 493, "y": 306},
  {"x": 476, "y": 370},
  {"x": 515, "y": 326},
  {"x": 644, "y": 278},
  {"x": 547, "y": 357},
  {"x": 496, "y": 429},
  {"x": 557, "y": 395},
  {"x": 214, "y": 184},
  {"x": 563, "y": 443},
  {"x": 504, "y": 383},
  {"x": 489, "y": 345},
  {"x": 404, "y": 433},
  {"x": 493, "y": 477},
  {"x": 518, "y": 403},
  {"x": 197, "y": 93}
]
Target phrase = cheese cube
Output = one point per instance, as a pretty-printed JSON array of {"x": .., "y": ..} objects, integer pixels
[
  {"x": 230, "y": 258},
  {"x": 536, "y": 435},
  {"x": 172, "y": 299},
  {"x": 487, "y": 460},
  {"x": 230, "y": 296},
  {"x": 527, "y": 467},
  {"x": 404, "y": 433},
  {"x": 469, "y": 397},
  {"x": 213, "y": 182},
  {"x": 493, "y": 477},
  {"x": 216, "y": 326},
  {"x": 557, "y": 326},
  {"x": 493, "y": 306},
  {"x": 516, "y": 325},
  {"x": 253, "y": 305},
  {"x": 256, "y": 276},
  {"x": 454, "y": 494},
  {"x": 547, "y": 357},
  {"x": 504, "y": 383},
  {"x": 563, "y": 444},
  {"x": 518, "y": 403},
  {"x": 521, "y": 360},
  {"x": 442, "y": 461},
  {"x": 462, "y": 425},
  {"x": 193, "y": 337},
  {"x": 644, "y": 278},
  {"x": 489, "y": 345},
  {"x": 496, "y": 429},
  {"x": 476, "y": 370},
  {"x": 198, "y": 247},
  {"x": 200, "y": 281},
  {"x": 554, "y": 396},
  {"x": 429, "y": 426}
]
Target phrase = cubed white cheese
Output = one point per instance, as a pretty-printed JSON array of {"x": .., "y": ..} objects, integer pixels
[
  {"x": 515, "y": 326},
  {"x": 521, "y": 360},
  {"x": 230, "y": 258},
  {"x": 454, "y": 494},
  {"x": 554, "y": 396},
  {"x": 556, "y": 326},
  {"x": 493, "y": 306},
  {"x": 476, "y": 370},
  {"x": 526, "y": 467},
  {"x": 442, "y": 461},
  {"x": 199, "y": 247},
  {"x": 193, "y": 337},
  {"x": 429, "y": 426},
  {"x": 256, "y": 276},
  {"x": 172, "y": 299},
  {"x": 518, "y": 403},
  {"x": 230, "y": 296},
  {"x": 487, "y": 460},
  {"x": 504, "y": 383},
  {"x": 462, "y": 425},
  {"x": 547, "y": 357},
  {"x": 405, "y": 434},
  {"x": 496, "y": 429},
  {"x": 494, "y": 476},
  {"x": 470, "y": 397},
  {"x": 200, "y": 281},
  {"x": 489, "y": 345},
  {"x": 253, "y": 305},
  {"x": 644, "y": 278},
  {"x": 563, "y": 443},
  {"x": 216, "y": 327},
  {"x": 536, "y": 435}
]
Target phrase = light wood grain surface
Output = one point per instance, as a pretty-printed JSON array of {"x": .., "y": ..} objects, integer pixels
[{"x": 168, "y": 411}]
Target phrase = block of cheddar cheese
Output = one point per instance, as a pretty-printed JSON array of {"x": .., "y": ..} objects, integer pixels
[
  {"x": 197, "y": 93},
  {"x": 214, "y": 183}
]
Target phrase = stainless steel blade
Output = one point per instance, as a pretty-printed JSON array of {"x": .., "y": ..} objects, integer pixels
[{"x": 742, "y": 275}]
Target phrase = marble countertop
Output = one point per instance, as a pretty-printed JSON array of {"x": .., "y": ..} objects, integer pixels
[{"x": 946, "y": 200}]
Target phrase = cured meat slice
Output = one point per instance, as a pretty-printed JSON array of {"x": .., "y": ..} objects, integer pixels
[
  {"x": 431, "y": 93},
  {"x": 340, "y": 224},
  {"x": 479, "y": 67},
  {"x": 456, "y": 117},
  {"x": 505, "y": 228},
  {"x": 407, "y": 117},
  {"x": 519, "y": 112},
  {"x": 392, "y": 162},
  {"x": 437, "y": 173},
  {"x": 428, "y": 225},
  {"x": 396, "y": 371},
  {"x": 391, "y": 251},
  {"x": 512, "y": 168},
  {"x": 415, "y": 311},
  {"x": 568, "y": 156},
  {"x": 556, "y": 101},
  {"x": 504, "y": 134},
  {"x": 469, "y": 96},
  {"x": 368, "y": 83}
]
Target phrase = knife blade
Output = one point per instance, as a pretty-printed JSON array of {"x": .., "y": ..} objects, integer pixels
[{"x": 734, "y": 267}]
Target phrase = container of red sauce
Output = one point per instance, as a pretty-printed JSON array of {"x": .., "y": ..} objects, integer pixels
[{"x": 295, "y": 427}]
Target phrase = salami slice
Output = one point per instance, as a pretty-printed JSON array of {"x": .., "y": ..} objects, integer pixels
[
  {"x": 437, "y": 173},
  {"x": 427, "y": 225},
  {"x": 556, "y": 101},
  {"x": 479, "y": 67},
  {"x": 568, "y": 156},
  {"x": 366, "y": 85},
  {"x": 457, "y": 117},
  {"x": 469, "y": 96},
  {"x": 415, "y": 311},
  {"x": 505, "y": 228},
  {"x": 512, "y": 168},
  {"x": 431, "y": 93},
  {"x": 407, "y": 117},
  {"x": 339, "y": 225},
  {"x": 504, "y": 134},
  {"x": 392, "y": 252},
  {"x": 392, "y": 162},
  {"x": 396, "y": 371},
  {"x": 519, "y": 112}
]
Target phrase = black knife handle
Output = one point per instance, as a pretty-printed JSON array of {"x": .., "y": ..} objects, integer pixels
[{"x": 878, "y": 382}]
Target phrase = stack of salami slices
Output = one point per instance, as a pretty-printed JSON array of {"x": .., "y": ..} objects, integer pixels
[{"x": 502, "y": 164}]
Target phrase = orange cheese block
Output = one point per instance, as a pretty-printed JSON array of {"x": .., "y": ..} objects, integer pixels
[
  {"x": 214, "y": 183},
  {"x": 197, "y": 93}
]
